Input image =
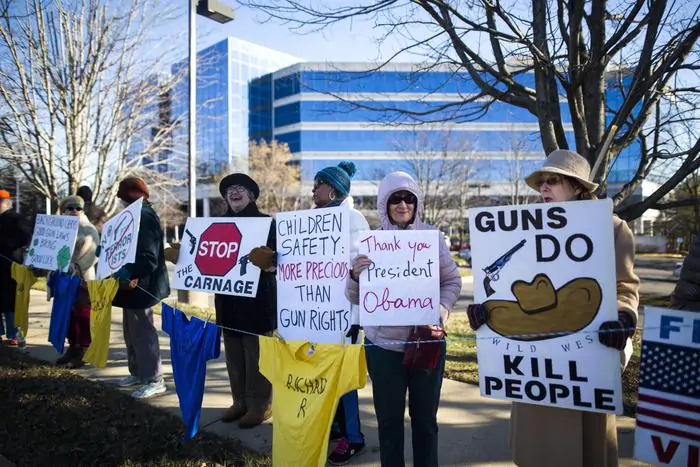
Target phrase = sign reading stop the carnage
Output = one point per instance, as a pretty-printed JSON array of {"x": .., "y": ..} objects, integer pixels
[
  {"x": 546, "y": 275},
  {"x": 313, "y": 250},
  {"x": 214, "y": 255},
  {"x": 119, "y": 240},
  {"x": 53, "y": 242}
]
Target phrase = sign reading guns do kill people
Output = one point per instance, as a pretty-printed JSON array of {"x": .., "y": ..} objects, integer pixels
[
  {"x": 214, "y": 255},
  {"x": 546, "y": 275},
  {"x": 313, "y": 249},
  {"x": 402, "y": 285}
]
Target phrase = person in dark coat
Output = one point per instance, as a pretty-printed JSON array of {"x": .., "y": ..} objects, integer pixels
[
  {"x": 686, "y": 295},
  {"x": 251, "y": 391},
  {"x": 15, "y": 234},
  {"x": 95, "y": 214},
  {"x": 143, "y": 284}
]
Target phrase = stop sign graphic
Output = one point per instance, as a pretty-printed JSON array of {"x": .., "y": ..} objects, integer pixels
[{"x": 218, "y": 247}]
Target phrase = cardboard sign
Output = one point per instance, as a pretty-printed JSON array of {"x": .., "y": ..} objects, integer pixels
[
  {"x": 53, "y": 242},
  {"x": 214, "y": 255},
  {"x": 402, "y": 286},
  {"x": 313, "y": 250},
  {"x": 119, "y": 240},
  {"x": 668, "y": 405},
  {"x": 546, "y": 274}
]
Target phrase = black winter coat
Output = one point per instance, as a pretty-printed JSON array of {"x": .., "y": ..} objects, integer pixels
[
  {"x": 15, "y": 233},
  {"x": 257, "y": 315},
  {"x": 149, "y": 267}
]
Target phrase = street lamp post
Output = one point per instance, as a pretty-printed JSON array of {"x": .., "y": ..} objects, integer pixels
[{"x": 221, "y": 13}]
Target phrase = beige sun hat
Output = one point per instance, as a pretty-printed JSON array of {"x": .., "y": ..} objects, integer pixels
[{"x": 566, "y": 163}]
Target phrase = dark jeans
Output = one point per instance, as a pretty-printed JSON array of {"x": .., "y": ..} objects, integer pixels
[{"x": 390, "y": 381}]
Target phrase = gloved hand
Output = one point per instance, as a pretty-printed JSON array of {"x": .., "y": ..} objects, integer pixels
[
  {"x": 614, "y": 334},
  {"x": 353, "y": 332},
  {"x": 98, "y": 251},
  {"x": 123, "y": 275},
  {"x": 478, "y": 315},
  {"x": 262, "y": 257},
  {"x": 172, "y": 253}
]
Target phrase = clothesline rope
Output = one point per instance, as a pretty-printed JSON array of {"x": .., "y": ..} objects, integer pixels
[{"x": 416, "y": 342}]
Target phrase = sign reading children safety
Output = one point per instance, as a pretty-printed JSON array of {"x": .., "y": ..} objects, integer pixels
[
  {"x": 668, "y": 406},
  {"x": 214, "y": 255},
  {"x": 119, "y": 240},
  {"x": 52, "y": 242},
  {"x": 402, "y": 285},
  {"x": 546, "y": 275},
  {"x": 313, "y": 250}
]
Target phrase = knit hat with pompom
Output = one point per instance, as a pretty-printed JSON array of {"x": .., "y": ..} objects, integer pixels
[{"x": 338, "y": 176}]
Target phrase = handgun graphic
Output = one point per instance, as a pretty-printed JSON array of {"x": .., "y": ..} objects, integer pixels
[
  {"x": 493, "y": 271},
  {"x": 193, "y": 241},
  {"x": 243, "y": 261}
]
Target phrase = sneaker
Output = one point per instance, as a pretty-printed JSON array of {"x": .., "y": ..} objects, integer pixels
[
  {"x": 128, "y": 381},
  {"x": 21, "y": 343},
  {"x": 149, "y": 390},
  {"x": 345, "y": 451},
  {"x": 11, "y": 342}
]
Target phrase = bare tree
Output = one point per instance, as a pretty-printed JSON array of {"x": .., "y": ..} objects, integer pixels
[
  {"x": 280, "y": 184},
  {"x": 575, "y": 51},
  {"x": 517, "y": 166},
  {"x": 81, "y": 99}
]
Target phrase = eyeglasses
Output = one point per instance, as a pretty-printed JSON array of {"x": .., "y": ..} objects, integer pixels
[
  {"x": 553, "y": 180},
  {"x": 408, "y": 198},
  {"x": 319, "y": 183},
  {"x": 235, "y": 189},
  {"x": 74, "y": 208}
]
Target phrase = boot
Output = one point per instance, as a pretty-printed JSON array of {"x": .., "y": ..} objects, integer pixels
[
  {"x": 255, "y": 416},
  {"x": 77, "y": 360},
  {"x": 66, "y": 357},
  {"x": 233, "y": 413}
]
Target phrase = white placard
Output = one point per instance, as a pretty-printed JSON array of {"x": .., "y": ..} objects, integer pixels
[
  {"x": 402, "y": 286},
  {"x": 119, "y": 240},
  {"x": 313, "y": 248},
  {"x": 53, "y": 242},
  {"x": 546, "y": 273},
  {"x": 668, "y": 404},
  {"x": 214, "y": 255}
]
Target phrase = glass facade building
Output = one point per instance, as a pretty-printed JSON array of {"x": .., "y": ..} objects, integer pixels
[{"x": 224, "y": 71}]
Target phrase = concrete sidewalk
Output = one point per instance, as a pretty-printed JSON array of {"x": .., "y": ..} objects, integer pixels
[{"x": 473, "y": 430}]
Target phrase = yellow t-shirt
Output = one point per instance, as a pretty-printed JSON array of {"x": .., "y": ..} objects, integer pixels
[
  {"x": 25, "y": 280},
  {"x": 306, "y": 387},
  {"x": 101, "y": 295}
]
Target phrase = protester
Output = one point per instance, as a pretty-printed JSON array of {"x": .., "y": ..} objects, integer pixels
[
  {"x": 15, "y": 235},
  {"x": 549, "y": 435},
  {"x": 95, "y": 215},
  {"x": 143, "y": 284},
  {"x": 82, "y": 265},
  {"x": 686, "y": 295},
  {"x": 251, "y": 391},
  {"x": 394, "y": 365},
  {"x": 332, "y": 189}
]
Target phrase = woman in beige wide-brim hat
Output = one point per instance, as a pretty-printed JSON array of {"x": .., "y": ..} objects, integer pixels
[{"x": 544, "y": 436}]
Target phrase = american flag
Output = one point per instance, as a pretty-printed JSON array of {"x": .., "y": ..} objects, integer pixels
[{"x": 669, "y": 390}]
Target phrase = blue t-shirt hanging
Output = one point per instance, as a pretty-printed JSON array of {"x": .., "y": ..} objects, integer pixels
[
  {"x": 64, "y": 288},
  {"x": 192, "y": 343}
]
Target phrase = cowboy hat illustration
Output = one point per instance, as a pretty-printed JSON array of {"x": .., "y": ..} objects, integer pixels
[{"x": 540, "y": 309}]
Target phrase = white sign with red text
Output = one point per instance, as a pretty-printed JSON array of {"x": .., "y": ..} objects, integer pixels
[
  {"x": 119, "y": 240},
  {"x": 402, "y": 286},
  {"x": 313, "y": 249}
]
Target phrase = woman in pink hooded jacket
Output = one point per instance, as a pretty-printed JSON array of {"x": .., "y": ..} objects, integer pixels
[{"x": 400, "y": 206}]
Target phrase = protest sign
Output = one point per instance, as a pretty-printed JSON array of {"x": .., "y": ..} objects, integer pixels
[
  {"x": 214, "y": 255},
  {"x": 53, "y": 242},
  {"x": 402, "y": 286},
  {"x": 546, "y": 275},
  {"x": 313, "y": 250},
  {"x": 668, "y": 404},
  {"x": 119, "y": 240}
]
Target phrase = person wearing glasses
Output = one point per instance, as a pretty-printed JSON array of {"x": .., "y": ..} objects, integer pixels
[
  {"x": 549, "y": 435},
  {"x": 400, "y": 207},
  {"x": 82, "y": 264}
]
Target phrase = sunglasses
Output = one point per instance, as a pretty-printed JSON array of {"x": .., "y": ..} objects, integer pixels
[
  {"x": 74, "y": 208},
  {"x": 407, "y": 198},
  {"x": 553, "y": 180},
  {"x": 235, "y": 189}
]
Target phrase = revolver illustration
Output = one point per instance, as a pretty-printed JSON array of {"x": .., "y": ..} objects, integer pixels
[
  {"x": 243, "y": 261},
  {"x": 193, "y": 241},
  {"x": 493, "y": 270}
]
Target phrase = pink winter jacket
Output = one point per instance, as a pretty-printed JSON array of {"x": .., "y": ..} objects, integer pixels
[{"x": 393, "y": 337}]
